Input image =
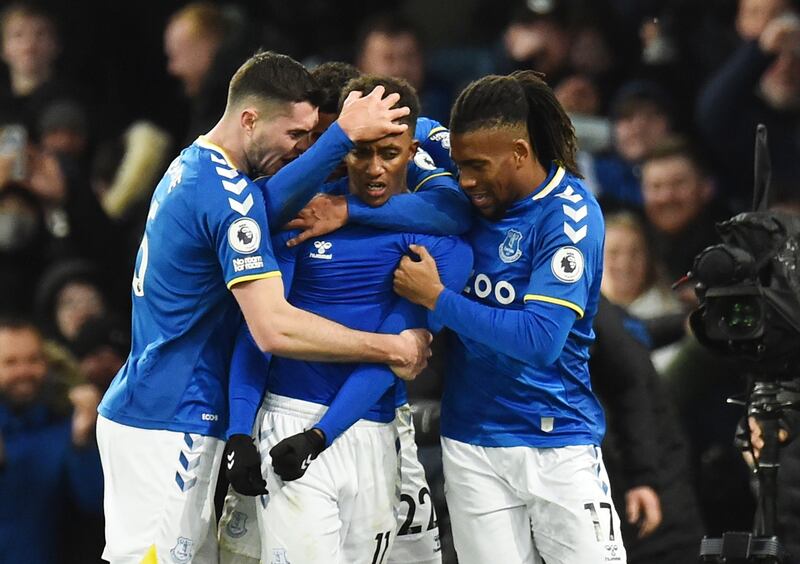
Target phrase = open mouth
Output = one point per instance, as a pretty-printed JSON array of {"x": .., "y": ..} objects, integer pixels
[
  {"x": 376, "y": 189},
  {"x": 480, "y": 199}
]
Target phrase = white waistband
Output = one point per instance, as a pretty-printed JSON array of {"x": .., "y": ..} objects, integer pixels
[{"x": 308, "y": 410}]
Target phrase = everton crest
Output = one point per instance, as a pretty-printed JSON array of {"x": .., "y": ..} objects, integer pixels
[
  {"x": 237, "y": 526},
  {"x": 509, "y": 249},
  {"x": 182, "y": 551}
]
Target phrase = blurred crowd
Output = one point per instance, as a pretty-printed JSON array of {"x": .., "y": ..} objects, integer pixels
[{"x": 665, "y": 96}]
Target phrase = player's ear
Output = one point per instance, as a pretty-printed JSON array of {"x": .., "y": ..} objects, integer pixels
[
  {"x": 413, "y": 150},
  {"x": 522, "y": 152},
  {"x": 248, "y": 119}
]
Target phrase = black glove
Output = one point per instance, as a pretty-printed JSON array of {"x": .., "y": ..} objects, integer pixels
[
  {"x": 291, "y": 456},
  {"x": 243, "y": 466}
]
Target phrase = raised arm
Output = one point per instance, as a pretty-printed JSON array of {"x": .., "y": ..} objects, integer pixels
[{"x": 363, "y": 118}]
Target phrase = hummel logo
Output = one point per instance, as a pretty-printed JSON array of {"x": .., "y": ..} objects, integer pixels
[
  {"x": 322, "y": 248},
  {"x": 230, "y": 460},
  {"x": 305, "y": 463}
]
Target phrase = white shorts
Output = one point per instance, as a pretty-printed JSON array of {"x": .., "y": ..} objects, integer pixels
[
  {"x": 417, "y": 540},
  {"x": 417, "y": 536},
  {"x": 343, "y": 508},
  {"x": 159, "y": 494},
  {"x": 520, "y": 504}
]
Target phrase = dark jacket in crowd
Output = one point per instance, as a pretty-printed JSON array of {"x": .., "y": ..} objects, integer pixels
[
  {"x": 42, "y": 477},
  {"x": 677, "y": 251},
  {"x": 729, "y": 109},
  {"x": 644, "y": 444}
]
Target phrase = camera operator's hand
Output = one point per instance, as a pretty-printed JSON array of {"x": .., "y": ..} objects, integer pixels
[
  {"x": 643, "y": 507},
  {"x": 757, "y": 438}
]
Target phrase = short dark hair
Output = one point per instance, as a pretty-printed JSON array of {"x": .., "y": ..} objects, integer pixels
[
  {"x": 331, "y": 78},
  {"x": 678, "y": 146},
  {"x": 408, "y": 95},
  {"x": 274, "y": 77},
  {"x": 387, "y": 23},
  {"x": 521, "y": 98},
  {"x": 18, "y": 323},
  {"x": 638, "y": 95}
]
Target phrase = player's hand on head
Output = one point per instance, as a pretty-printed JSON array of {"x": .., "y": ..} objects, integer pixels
[
  {"x": 371, "y": 117},
  {"x": 291, "y": 456},
  {"x": 643, "y": 507},
  {"x": 322, "y": 215},
  {"x": 243, "y": 466},
  {"x": 415, "y": 350},
  {"x": 418, "y": 280}
]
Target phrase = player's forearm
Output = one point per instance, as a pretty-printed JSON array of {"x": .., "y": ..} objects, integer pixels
[
  {"x": 362, "y": 389},
  {"x": 439, "y": 211},
  {"x": 295, "y": 184},
  {"x": 536, "y": 338},
  {"x": 298, "y": 334}
]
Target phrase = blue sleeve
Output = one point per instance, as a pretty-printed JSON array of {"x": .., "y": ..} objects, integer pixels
[
  {"x": 435, "y": 206},
  {"x": 437, "y": 144},
  {"x": 368, "y": 382},
  {"x": 85, "y": 478},
  {"x": 291, "y": 188},
  {"x": 568, "y": 254},
  {"x": 454, "y": 260},
  {"x": 247, "y": 383},
  {"x": 536, "y": 334},
  {"x": 286, "y": 257},
  {"x": 235, "y": 224}
]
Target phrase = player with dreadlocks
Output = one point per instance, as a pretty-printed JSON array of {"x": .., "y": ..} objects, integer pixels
[{"x": 521, "y": 426}]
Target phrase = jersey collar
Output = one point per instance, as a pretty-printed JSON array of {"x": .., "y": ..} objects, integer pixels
[
  {"x": 555, "y": 177},
  {"x": 206, "y": 144}
]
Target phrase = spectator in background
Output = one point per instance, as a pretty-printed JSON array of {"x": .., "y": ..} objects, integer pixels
[
  {"x": 389, "y": 44},
  {"x": 641, "y": 117},
  {"x": 538, "y": 40},
  {"x": 30, "y": 47},
  {"x": 632, "y": 279},
  {"x": 752, "y": 16},
  {"x": 192, "y": 40},
  {"x": 63, "y": 130},
  {"x": 647, "y": 452},
  {"x": 679, "y": 205},
  {"x": 205, "y": 43},
  {"x": 23, "y": 248},
  {"x": 101, "y": 347},
  {"x": 43, "y": 470},
  {"x": 69, "y": 294},
  {"x": 759, "y": 83}
]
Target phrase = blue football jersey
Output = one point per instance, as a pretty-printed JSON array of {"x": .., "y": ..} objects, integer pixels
[
  {"x": 206, "y": 231},
  {"x": 547, "y": 248},
  {"x": 434, "y": 140},
  {"x": 346, "y": 276}
]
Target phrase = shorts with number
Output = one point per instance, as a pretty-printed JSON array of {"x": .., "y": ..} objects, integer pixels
[
  {"x": 417, "y": 540},
  {"x": 519, "y": 504},
  {"x": 342, "y": 510},
  {"x": 159, "y": 494}
]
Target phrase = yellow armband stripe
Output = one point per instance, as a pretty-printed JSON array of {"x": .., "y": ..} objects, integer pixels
[
  {"x": 424, "y": 180},
  {"x": 249, "y": 277},
  {"x": 557, "y": 301}
]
